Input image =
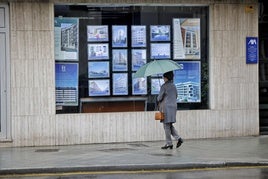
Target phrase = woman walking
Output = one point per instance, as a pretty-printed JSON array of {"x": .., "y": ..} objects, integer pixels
[{"x": 167, "y": 101}]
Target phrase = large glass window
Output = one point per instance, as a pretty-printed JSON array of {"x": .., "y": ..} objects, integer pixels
[{"x": 99, "y": 48}]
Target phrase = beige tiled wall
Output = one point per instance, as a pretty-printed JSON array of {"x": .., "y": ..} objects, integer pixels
[
  {"x": 32, "y": 74},
  {"x": 233, "y": 84}
]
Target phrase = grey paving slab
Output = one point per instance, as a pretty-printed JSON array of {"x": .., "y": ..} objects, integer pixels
[{"x": 220, "y": 152}]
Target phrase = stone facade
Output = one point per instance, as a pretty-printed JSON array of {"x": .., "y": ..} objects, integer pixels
[{"x": 234, "y": 105}]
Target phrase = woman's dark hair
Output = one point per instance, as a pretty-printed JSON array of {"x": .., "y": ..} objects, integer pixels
[{"x": 169, "y": 75}]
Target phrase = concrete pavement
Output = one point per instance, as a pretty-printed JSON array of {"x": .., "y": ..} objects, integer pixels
[{"x": 201, "y": 153}]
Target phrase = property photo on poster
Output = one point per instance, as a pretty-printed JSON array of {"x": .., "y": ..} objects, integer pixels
[
  {"x": 138, "y": 36},
  {"x": 120, "y": 61},
  {"x": 156, "y": 84},
  {"x": 120, "y": 84},
  {"x": 66, "y": 84},
  {"x": 160, "y": 50},
  {"x": 99, "y": 87},
  {"x": 160, "y": 32},
  {"x": 66, "y": 39},
  {"x": 97, "y": 33},
  {"x": 139, "y": 86},
  {"x": 138, "y": 58},
  {"x": 98, "y": 51},
  {"x": 98, "y": 69},
  {"x": 188, "y": 82},
  {"x": 119, "y": 33},
  {"x": 186, "y": 38}
]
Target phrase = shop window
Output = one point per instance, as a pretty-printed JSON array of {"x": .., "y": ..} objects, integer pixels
[{"x": 99, "y": 48}]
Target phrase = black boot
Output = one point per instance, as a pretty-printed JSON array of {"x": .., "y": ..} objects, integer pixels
[{"x": 180, "y": 141}]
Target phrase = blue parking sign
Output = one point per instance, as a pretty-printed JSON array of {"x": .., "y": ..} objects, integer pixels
[{"x": 251, "y": 50}]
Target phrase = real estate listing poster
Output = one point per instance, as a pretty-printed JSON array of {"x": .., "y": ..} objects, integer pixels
[
  {"x": 186, "y": 38},
  {"x": 139, "y": 86},
  {"x": 119, "y": 36},
  {"x": 159, "y": 32},
  {"x": 138, "y": 36},
  {"x": 156, "y": 85},
  {"x": 66, "y": 39},
  {"x": 138, "y": 58},
  {"x": 66, "y": 84},
  {"x": 99, "y": 87},
  {"x": 188, "y": 82},
  {"x": 120, "y": 84},
  {"x": 98, "y": 69},
  {"x": 97, "y": 33},
  {"x": 160, "y": 50},
  {"x": 120, "y": 61},
  {"x": 98, "y": 51}
]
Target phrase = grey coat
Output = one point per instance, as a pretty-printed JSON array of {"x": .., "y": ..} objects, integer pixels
[{"x": 167, "y": 100}]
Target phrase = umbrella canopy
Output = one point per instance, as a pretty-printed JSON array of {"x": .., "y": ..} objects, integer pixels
[{"x": 156, "y": 67}]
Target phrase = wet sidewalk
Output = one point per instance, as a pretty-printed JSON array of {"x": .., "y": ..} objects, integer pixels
[{"x": 201, "y": 153}]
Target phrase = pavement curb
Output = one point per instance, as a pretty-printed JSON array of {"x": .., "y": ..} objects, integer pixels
[{"x": 130, "y": 167}]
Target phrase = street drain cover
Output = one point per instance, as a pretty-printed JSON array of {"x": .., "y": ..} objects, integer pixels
[
  {"x": 116, "y": 149},
  {"x": 169, "y": 155},
  {"x": 138, "y": 145},
  {"x": 47, "y": 150}
]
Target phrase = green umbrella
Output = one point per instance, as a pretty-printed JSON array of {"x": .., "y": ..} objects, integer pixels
[{"x": 156, "y": 67}]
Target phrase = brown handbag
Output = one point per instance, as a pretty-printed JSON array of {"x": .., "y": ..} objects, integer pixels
[{"x": 159, "y": 116}]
